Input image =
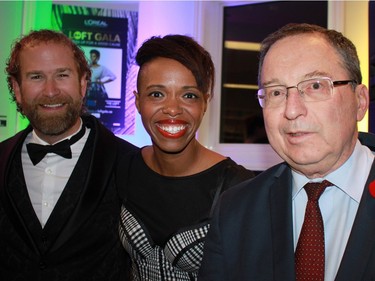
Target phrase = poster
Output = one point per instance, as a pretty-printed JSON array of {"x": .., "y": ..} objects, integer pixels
[{"x": 108, "y": 47}]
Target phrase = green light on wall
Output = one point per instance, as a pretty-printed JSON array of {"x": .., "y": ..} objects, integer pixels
[{"x": 36, "y": 15}]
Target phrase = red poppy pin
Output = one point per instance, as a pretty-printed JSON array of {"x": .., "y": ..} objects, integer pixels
[{"x": 372, "y": 188}]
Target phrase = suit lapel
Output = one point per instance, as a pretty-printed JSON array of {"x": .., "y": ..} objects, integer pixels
[
  {"x": 282, "y": 227},
  {"x": 13, "y": 192},
  {"x": 361, "y": 241},
  {"x": 71, "y": 195},
  {"x": 23, "y": 208},
  {"x": 98, "y": 163}
]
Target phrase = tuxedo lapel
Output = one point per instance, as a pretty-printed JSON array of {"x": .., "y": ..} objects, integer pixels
[
  {"x": 70, "y": 197},
  {"x": 98, "y": 163},
  {"x": 13, "y": 192},
  {"x": 13, "y": 195},
  {"x": 282, "y": 227},
  {"x": 361, "y": 242},
  {"x": 23, "y": 212}
]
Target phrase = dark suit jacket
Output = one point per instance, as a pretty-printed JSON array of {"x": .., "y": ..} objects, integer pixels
[
  {"x": 80, "y": 240},
  {"x": 251, "y": 234}
]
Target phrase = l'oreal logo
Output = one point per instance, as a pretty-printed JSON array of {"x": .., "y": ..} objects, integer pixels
[{"x": 97, "y": 23}]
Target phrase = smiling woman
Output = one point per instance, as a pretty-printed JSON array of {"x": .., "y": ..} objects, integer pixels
[
  {"x": 172, "y": 184},
  {"x": 171, "y": 105}
]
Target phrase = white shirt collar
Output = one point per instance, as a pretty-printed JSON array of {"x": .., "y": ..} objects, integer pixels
[{"x": 351, "y": 177}]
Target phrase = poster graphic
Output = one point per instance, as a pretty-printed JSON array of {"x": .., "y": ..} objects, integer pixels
[
  {"x": 109, "y": 51},
  {"x": 102, "y": 38}
]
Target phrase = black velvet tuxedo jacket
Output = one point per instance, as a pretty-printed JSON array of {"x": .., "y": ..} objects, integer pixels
[
  {"x": 251, "y": 234},
  {"x": 80, "y": 240}
]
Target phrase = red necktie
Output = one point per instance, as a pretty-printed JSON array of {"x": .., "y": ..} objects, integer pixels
[{"x": 309, "y": 256}]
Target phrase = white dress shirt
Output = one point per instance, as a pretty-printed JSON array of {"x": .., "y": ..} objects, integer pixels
[
  {"x": 338, "y": 205},
  {"x": 46, "y": 181}
]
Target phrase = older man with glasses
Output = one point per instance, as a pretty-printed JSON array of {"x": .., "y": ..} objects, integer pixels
[{"x": 311, "y": 217}]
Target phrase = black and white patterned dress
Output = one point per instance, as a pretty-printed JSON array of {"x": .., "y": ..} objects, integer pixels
[{"x": 164, "y": 220}]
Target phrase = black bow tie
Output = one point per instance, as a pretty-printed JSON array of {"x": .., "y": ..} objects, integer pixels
[{"x": 38, "y": 151}]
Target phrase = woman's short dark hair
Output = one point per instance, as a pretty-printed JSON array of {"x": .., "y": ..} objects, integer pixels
[{"x": 186, "y": 51}]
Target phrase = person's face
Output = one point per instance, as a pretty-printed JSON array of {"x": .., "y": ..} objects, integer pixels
[
  {"x": 170, "y": 104},
  {"x": 315, "y": 138},
  {"x": 94, "y": 58},
  {"x": 50, "y": 92}
]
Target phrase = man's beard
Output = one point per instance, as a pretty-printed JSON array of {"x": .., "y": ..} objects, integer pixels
[{"x": 55, "y": 123}]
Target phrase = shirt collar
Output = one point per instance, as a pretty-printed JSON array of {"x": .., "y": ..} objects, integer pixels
[{"x": 351, "y": 177}]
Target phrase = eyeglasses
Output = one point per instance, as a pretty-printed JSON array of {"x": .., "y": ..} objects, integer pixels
[{"x": 315, "y": 89}]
